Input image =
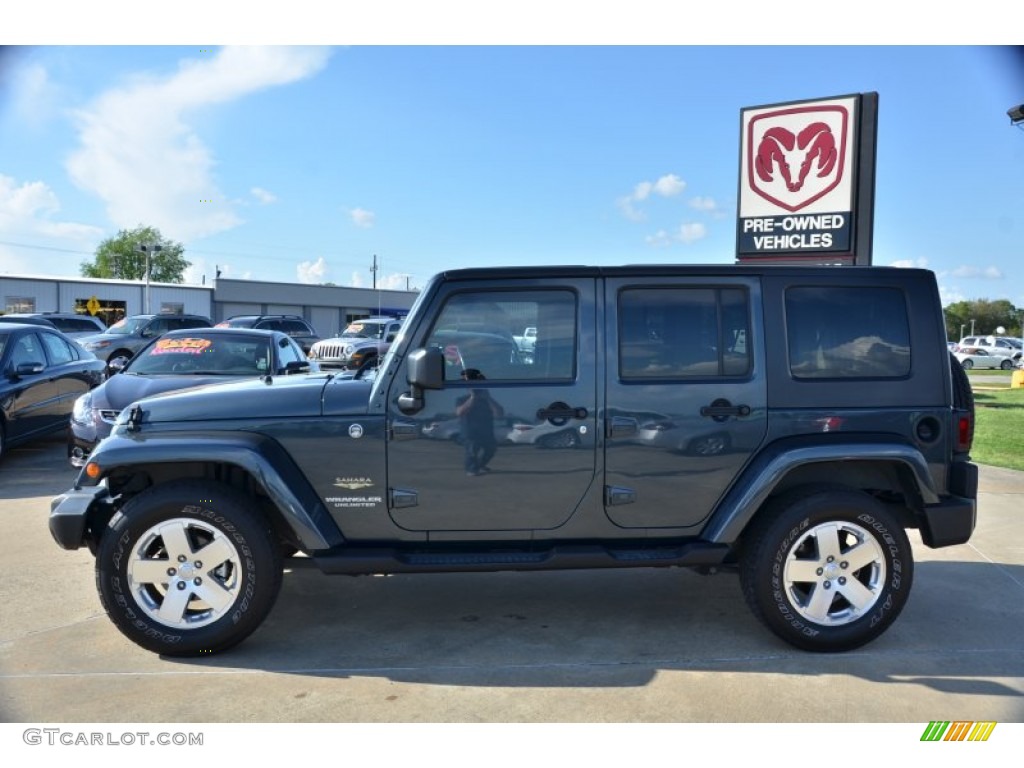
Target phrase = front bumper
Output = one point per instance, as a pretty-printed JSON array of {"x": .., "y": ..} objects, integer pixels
[{"x": 75, "y": 512}]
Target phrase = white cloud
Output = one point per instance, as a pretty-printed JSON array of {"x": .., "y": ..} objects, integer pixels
[
  {"x": 362, "y": 217},
  {"x": 948, "y": 295},
  {"x": 395, "y": 282},
  {"x": 691, "y": 232},
  {"x": 921, "y": 263},
  {"x": 28, "y": 209},
  {"x": 984, "y": 273},
  {"x": 705, "y": 204},
  {"x": 311, "y": 272},
  {"x": 668, "y": 185},
  {"x": 263, "y": 196},
  {"x": 139, "y": 154},
  {"x": 660, "y": 239}
]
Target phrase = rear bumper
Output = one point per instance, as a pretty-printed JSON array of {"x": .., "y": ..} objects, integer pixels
[
  {"x": 952, "y": 520},
  {"x": 71, "y": 512}
]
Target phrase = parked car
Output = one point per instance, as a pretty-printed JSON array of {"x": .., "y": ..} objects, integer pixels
[
  {"x": 293, "y": 325},
  {"x": 361, "y": 343},
  {"x": 71, "y": 324},
  {"x": 843, "y": 429},
  {"x": 180, "y": 360},
  {"x": 527, "y": 341},
  {"x": 979, "y": 357},
  {"x": 27, "y": 320},
  {"x": 44, "y": 372},
  {"x": 119, "y": 343},
  {"x": 1007, "y": 346}
]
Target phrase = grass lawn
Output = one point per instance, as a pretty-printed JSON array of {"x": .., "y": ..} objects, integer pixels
[{"x": 999, "y": 427}]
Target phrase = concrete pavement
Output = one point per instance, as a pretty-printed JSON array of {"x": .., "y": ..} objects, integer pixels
[{"x": 587, "y": 646}]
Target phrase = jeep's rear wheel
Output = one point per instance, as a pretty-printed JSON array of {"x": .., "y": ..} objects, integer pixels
[
  {"x": 826, "y": 569},
  {"x": 186, "y": 569}
]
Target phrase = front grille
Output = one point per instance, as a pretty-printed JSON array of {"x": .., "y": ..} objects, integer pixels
[{"x": 331, "y": 352}]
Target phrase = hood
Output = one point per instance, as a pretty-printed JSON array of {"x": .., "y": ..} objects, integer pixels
[
  {"x": 103, "y": 337},
  {"x": 276, "y": 397},
  {"x": 125, "y": 388}
]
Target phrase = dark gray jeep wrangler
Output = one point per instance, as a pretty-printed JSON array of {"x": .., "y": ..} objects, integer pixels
[{"x": 787, "y": 423}]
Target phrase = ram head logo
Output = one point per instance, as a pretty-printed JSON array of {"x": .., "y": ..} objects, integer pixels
[{"x": 796, "y": 156}]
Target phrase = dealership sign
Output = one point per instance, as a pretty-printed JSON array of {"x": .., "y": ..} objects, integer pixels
[{"x": 799, "y": 179}]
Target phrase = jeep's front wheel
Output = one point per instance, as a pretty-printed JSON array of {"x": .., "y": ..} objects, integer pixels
[
  {"x": 826, "y": 570},
  {"x": 186, "y": 569}
]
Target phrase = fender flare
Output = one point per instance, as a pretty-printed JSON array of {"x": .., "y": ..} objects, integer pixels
[
  {"x": 760, "y": 479},
  {"x": 262, "y": 458}
]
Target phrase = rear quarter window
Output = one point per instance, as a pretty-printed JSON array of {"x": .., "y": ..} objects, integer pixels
[{"x": 854, "y": 332}]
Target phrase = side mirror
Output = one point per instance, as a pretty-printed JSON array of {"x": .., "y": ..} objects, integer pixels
[
  {"x": 116, "y": 366},
  {"x": 426, "y": 371},
  {"x": 25, "y": 369}
]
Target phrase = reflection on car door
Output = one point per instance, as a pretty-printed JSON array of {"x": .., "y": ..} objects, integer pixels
[
  {"x": 683, "y": 349},
  {"x": 445, "y": 473}
]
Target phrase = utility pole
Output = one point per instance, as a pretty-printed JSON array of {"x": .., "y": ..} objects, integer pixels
[
  {"x": 374, "y": 270},
  {"x": 148, "y": 249}
]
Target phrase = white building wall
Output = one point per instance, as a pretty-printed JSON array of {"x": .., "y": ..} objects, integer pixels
[{"x": 325, "y": 321}]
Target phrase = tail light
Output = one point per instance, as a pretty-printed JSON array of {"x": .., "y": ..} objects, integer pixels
[{"x": 964, "y": 431}]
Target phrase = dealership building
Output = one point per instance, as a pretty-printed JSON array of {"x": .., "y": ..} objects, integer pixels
[{"x": 328, "y": 308}]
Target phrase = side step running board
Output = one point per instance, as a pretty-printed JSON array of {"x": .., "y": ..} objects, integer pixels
[{"x": 356, "y": 561}]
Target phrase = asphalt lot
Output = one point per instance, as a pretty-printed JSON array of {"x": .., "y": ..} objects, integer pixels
[{"x": 624, "y": 646}]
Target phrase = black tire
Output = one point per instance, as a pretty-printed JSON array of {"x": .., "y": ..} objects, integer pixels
[
  {"x": 819, "y": 604},
  {"x": 967, "y": 364},
  {"x": 137, "y": 570},
  {"x": 1006, "y": 365},
  {"x": 963, "y": 395}
]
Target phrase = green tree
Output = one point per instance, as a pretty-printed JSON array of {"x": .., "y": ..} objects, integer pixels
[
  {"x": 984, "y": 315},
  {"x": 119, "y": 257}
]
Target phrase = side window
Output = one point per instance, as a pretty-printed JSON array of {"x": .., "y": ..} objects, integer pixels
[
  {"x": 286, "y": 353},
  {"x": 58, "y": 350},
  {"x": 295, "y": 328},
  {"x": 683, "y": 332},
  {"x": 479, "y": 331},
  {"x": 27, "y": 350},
  {"x": 190, "y": 322},
  {"x": 157, "y": 327},
  {"x": 847, "y": 332}
]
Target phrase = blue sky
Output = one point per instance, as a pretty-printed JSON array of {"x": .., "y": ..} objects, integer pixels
[{"x": 300, "y": 164}]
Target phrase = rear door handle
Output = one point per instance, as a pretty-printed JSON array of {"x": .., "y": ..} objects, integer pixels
[
  {"x": 722, "y": 409},
  {"x": 560, "y": 413}
]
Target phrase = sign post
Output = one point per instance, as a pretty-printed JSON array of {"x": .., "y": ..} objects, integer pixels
[{"x": 807, "y": 181}]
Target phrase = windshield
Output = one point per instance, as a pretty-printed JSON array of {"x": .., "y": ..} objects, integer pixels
[
  {"x": 365, "y": 330},
  {"x": 197, "y": 354},
  {"x": 129, "y": 326}
]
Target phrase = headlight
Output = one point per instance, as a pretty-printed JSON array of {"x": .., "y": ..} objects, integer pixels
[
  {"x": 349, "y": 350},
  {"x": 82, "y": 412},
  {"x": 92, "y": 345}
]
